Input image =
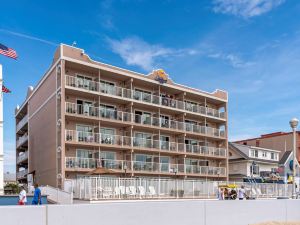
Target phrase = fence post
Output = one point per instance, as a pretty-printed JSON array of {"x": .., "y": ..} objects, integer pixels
[{"x": 193, "y": 189}]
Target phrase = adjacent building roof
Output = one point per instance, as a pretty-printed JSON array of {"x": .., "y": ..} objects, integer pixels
[
  {"x": 285, "y": 157},
  {"x": 242, "y": 149}
]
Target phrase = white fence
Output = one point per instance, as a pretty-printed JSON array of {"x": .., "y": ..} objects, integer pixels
[
  {"x": 97, "y": 188},
  {"x": 175, "y": 212},
  {"x": 56, "y": 195}
]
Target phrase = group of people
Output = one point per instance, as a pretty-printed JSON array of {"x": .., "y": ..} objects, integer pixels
[
  {"x": 226, "y": 194},
  {"x": 37, "y": 196}
]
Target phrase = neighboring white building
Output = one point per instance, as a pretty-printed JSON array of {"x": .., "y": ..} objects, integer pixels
[{"x": 250, "y": 161}]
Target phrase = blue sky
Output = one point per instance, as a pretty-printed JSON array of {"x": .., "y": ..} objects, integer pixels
[{"x": 250, "y": 48}]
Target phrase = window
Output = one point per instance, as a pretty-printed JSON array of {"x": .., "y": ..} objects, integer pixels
[
  {"x": 107, "y": 135},
  {"x": 164, "y": 121},
  {"x": 84, "y": 82},
  {"x": 142, "y": 95},
  {"x": 254, "y": 169},
  {"x": 164, "y": 142},
  {"x": 84, "y": 158},
  {"x": 85, "y": 107},
  {"x": 164, "y": 163},
  {"x": 81, "y": 153},
  {"x": 143, "y": 117},
  {"x": 264, "y": 154},
  {"x": 190, "y": 125},
  {"x": 191, "y": 106},
  {"x": 108, "y": 111},
  {"x": 107, "y": 87},
  {"x": 85, "y": 133},
  {"x": 143, "y": 140},
  {"x": 191, "y": 146},
  {"x": 273, "y": 156}
]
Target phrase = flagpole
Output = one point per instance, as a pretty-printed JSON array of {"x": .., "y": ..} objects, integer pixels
[{"x": 1, "y": 135}]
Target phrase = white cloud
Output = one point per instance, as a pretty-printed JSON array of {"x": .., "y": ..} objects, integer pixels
[
  {"x": 135, "y": 51},
  {"x": 245, "y": 8},
  {"x": 233, "y": 59}
]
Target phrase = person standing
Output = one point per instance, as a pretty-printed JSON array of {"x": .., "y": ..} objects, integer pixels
[
  {"x": 37, "y": 195},
  {"x": 221, "y": 194},
  {"x": 242, "y": 193},
  {"x": 22, "y": 196}
]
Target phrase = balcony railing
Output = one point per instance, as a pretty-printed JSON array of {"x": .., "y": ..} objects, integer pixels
[
  {"x": 22, "y": 174},
  {"x": 22, "y": 123},
  {"x": 79, "y": 109},
  {"x": 96, "y": 86},
  {"x": 85, "y": 110},
  {"x": 92, "y": 163},
  {"x": 142, "y": 166},
  {"x": 97, "y": 138},
  {"x": 136, "y": 142},
  {"x": 22, "y": 157},
  {"x": 22, "y": 140}
]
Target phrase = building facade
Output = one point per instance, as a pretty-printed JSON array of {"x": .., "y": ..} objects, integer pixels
[
  {"x": 89, "y": 118},
  {"x": 281, "y": 141},
  {"x": 251, "y": 162}
]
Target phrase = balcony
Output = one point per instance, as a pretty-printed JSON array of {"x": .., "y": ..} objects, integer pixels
[
  {"x": 22, "y": 174},
  {"x": 22, "y": 157},
  {"x": 96, "y": 112},
  {"x": 142, "y": 143},
  {"x": 105, "y": 89},
  {"x": 210, "y": 131},
  {"x": 22, "y": 140},
  {"x": 91, "y": 163},
  {"x": 22, "y": 123},
  {"x": 91, "y": 111},
  {"x": 141, "y": 166},
  {"x": 96, "y": 138}
]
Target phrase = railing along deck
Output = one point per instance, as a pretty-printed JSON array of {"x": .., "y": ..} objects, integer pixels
[{"x": 95, "y": 86}]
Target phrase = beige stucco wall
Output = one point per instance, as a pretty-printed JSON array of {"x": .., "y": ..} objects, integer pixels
[{"x": 42, "y": 130}]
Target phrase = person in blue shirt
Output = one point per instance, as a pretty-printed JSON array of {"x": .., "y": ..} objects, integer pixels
[{"x": 37, "y": 198}]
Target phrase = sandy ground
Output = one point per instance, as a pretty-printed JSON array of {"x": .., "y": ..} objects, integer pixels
[{"x": 278, "y": 223}]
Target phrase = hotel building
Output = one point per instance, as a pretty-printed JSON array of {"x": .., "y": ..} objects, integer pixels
[{"x": 89, "y": 118}]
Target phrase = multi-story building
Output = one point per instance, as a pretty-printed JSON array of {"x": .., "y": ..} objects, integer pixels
[
  {"x": 85, "y": 117},
  {"x": 281, "y": 141},
  {"x": 251, "y": 162}
]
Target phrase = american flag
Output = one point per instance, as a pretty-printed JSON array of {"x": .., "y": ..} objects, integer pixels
[
  {"x": 5, "y": 89},
  {"x": 9, "y": 52}
]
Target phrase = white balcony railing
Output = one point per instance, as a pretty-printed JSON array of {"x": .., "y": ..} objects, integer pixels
[
  {"x": 98, "y": 138},
  {"x": 22, "y": 140},
  {"x": 22, "y": 157},
  {"x": 142, "y": 166},
  {"x": 96, "y": 86},
  {"x": 22, "y": 123},
  {"x": 22, "y": 174},
  {"x": 136, "y": 142},
  {"x": 91, "y": 111}
]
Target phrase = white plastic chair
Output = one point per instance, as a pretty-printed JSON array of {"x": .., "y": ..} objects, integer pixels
[
  {"x": 107, "y": 193},
  {"x": 142, "y": 191},
  {"x": 152, "y": 191},
  {"x": 132, "y": 191}
]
